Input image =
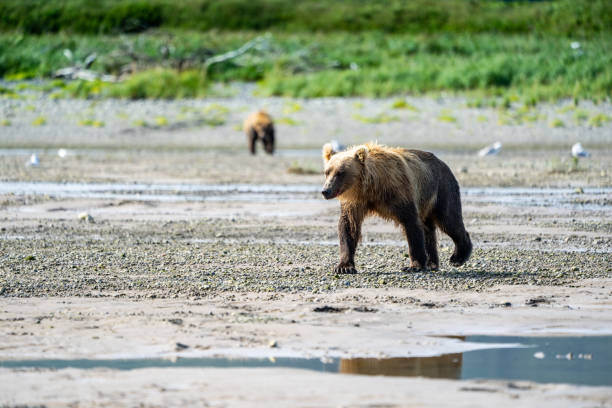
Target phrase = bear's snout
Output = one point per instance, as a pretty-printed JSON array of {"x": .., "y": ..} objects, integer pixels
[{"x": 327, "y": 193}]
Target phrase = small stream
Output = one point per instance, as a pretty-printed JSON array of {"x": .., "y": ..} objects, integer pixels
[{"x": 594, "y": 199}]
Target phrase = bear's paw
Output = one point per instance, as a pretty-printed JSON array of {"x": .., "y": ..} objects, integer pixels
[{"x": 345, "y": 269}]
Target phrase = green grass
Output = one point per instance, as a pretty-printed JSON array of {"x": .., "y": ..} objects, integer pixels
[
  {"x": 376, "y": 119},
  {"x": 161, "y": 121},
  {"x": 556, "y": 123},
  {"x": 39, "y": 121},
  {"x": 493, "y": 69},
  {"x": 580, "y": 116},
  {"x": 285, "y": 120},
  {"x": 599, "y": 119},
  {"x": 291, "y": 107},
  {"x": 447, "y": 116},
  {"x": 91, "y": 122},
  {"x": 567, "y": 17},
  {"x": 216, "y": 109},
  {"x": 299, "y": 169},
  {"x": 402, "y": 104}
]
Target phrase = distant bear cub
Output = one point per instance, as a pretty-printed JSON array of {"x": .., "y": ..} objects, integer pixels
[
  {"x": 259, "y": 126},
  {"x": 411, "y": 187}
]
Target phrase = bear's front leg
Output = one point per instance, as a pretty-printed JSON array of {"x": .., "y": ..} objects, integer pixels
[
  {"x": 252, "y": 138},
  {"x": 349, "y": 232}
]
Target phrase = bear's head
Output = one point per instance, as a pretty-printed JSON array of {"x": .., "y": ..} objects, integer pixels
[{"x": 343, "y": 170}]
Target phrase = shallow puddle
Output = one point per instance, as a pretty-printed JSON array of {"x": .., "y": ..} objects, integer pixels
[{"x": 573, "y": 360}]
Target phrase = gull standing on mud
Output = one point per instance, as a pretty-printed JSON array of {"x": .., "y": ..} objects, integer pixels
[
  {"x": 490, "y": 150},
  {"x": 33, "y": 161},
  {"x": 578, "y": 151},
  {"x": 337, "y": 146}
]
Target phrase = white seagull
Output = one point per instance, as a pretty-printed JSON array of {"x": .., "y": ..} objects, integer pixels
[
  {"x": 337, "y": 146},
  {"x": 490, "y": 150},
  {"x": 578, "y": 151},
  {"x": 33, "y": 161}
]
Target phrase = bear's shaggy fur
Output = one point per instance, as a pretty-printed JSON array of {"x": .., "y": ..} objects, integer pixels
[
  {"x": 411, "y": 187},
  {"x": 259, "y": 126}
]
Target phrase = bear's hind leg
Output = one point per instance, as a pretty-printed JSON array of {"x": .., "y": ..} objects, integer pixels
[
  {"x": 409, "y": 220},
  {"x": 431, "y": 244},
  {"x": 455, "y": 229}
]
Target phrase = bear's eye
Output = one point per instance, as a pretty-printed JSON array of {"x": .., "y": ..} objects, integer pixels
[{"x": 327, "y": 172}]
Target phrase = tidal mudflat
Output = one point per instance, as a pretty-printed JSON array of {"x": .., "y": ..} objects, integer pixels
[{"x": 170, "y": 241}]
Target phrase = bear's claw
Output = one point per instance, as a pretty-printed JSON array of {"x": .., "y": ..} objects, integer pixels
[
  {"x": 454, "y": 261},
  {"x": 345, "y": 269}
]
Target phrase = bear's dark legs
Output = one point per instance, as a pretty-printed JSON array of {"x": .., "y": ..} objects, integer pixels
[
  {"x": 431, "y": 244},
  {"x": 349, "y": 232},
  {"x": 252, "y": 138},
  {"x": 455, "y": 229},
  {"x": 268, "y": 140},
  {"x": 413, "y": 228},
  {"x": 447, "y": 214}
]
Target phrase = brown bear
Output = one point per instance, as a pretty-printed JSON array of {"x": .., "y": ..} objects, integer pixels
[
  {"x": 259, "y": 126},
  {"x": 411, "y": 187}
]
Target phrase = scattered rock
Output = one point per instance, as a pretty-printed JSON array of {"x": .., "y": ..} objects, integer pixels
[
  {"x": 273, "y": 344},
  {"x": 180, "y": 346},
  {"x": 539, "y": 355},
  {"x": 534, "y": 302},
  {"x": 522, "y": 387},
  {"x": 178, "y": 322},
  {"x": 329, "y": 309},
  {"x": 365, "y": 309},
  {"x": 477, "y": 389}
]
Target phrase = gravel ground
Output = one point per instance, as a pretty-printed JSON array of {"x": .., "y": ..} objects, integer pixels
[
  {"x": 197, "y": 248},
  {"x": 167, "y": 258}
]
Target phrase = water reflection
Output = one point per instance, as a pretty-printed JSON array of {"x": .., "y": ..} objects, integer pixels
[{"x": 446, "y": 366}]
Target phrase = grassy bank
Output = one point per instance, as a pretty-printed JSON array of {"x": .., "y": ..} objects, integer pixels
[
  {"x": 170, "y": 64},
  {"x": 565, "y": 17}
]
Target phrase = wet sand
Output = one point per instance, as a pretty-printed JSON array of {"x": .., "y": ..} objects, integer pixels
[{"x": 242, "y": 268}]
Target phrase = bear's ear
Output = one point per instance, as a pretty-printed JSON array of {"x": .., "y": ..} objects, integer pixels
[
  {"x": 361, "y": 153},
  {"x": 328, "y": 152}
]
